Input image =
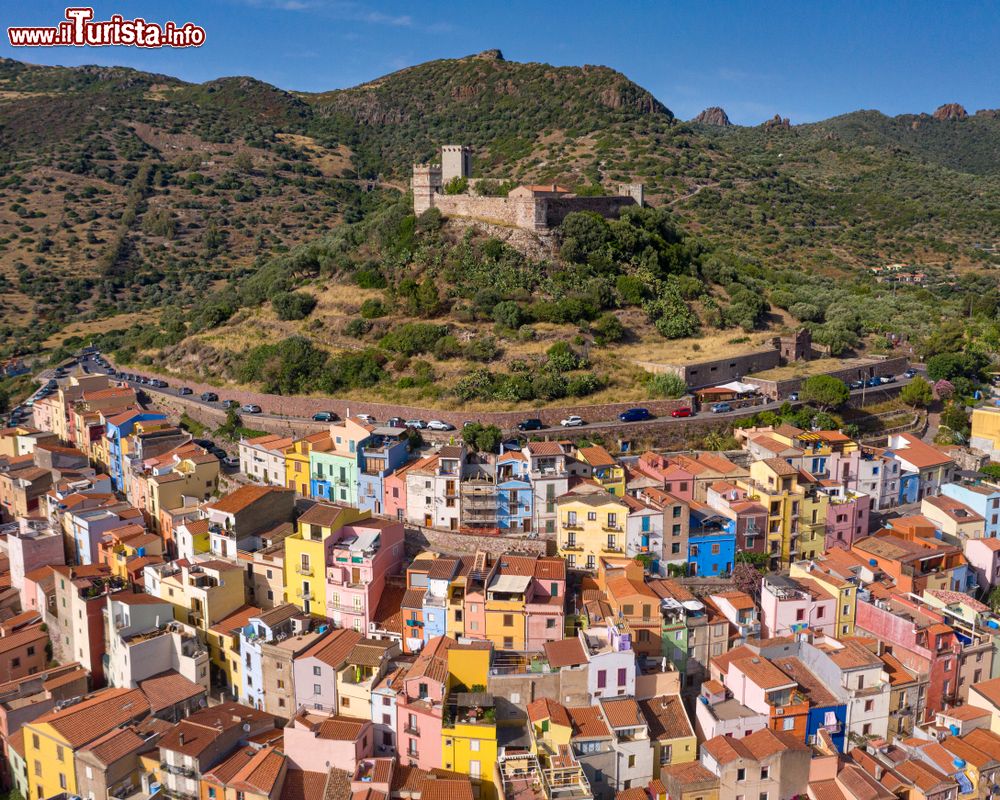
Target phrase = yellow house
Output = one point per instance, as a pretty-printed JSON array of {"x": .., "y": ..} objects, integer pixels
[
  {"x": 52, "y": 740},
  {"x": 186, "y": 472},
  {"x": 670, "y": 731},
  {"x": 829, "y": 579},
  {"x": 550, "y": 725},
  {"x": 591, "y": 526},
  {"x": 305, "y": 553},
  {"x": 297, "y": 461},
  {"x": 774, "y": 483},
  {"x": 606, "y": 472},
  {"x": 986, "y": 430},
  {"x": 202, "y": 594},
  {"x": 223, "y": 640},
  {"x": 469, "y": 731}
]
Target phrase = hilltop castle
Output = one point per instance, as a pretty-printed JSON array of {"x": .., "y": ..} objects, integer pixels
[{"x": 536, "y": 208}]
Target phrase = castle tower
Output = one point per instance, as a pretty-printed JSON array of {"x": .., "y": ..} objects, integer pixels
[
  {"x": 634, "y": 190},
  {"x": 456, "y": 162},
  {"x": 426, "y": 183}
]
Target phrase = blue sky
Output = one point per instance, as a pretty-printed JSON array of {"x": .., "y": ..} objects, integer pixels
[{"x": 805, "y": 60}]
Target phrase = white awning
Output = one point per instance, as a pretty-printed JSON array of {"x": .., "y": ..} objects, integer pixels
[
  {"x": 364, "y": 541},
  {"x": 739, "y": 387},
  {"x": 510, "y": 583}
]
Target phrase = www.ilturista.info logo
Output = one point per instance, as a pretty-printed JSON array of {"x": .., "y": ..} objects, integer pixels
[{"x": 79, "y": 30}]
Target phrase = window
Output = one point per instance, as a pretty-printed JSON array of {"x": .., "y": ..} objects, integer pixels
[
  {"x": 631, "y": 761},
  {"x": 869, "y": 705},
  {"x": 800, "y": 614},
  {"x": 62, "y": 780},
  {"x": 741, "y": 774},
  {"x": 762, "y": 796},
  {"x": 31, "y": 650},
  {"x": 550, "y": 624},
  {"x": 60, "y": 753},
  {"x": 788, "y": 724},
  {"x": 622, "y": 673},
  {"x": 317, "y": 689},
  {"x": 665, "y": 753},
  {"x": 474, "y": 745},
  {"x": 508, "y": 620},
  {"x": 602, "y": 678},
  {"x": 765, "y": 773},
  {"x": 38, "y": 773},
  {"x": 345, "y": 702},
  {"x": 591, "y": 516}
]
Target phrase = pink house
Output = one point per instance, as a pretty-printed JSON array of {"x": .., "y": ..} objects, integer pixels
[
  {"x": 418, "y": 708},
  {"x": 983, "y": 556},
  {"x": 394, "y": 485},
  {"x": 545, "y": 603},
  {"x": 358, "y": 559},
  {"x": 789, "y": 605},
  {"x": 315, "y": 741},
  {"x": 677, "y": 480},
  {"x": 847, "y": 515}
]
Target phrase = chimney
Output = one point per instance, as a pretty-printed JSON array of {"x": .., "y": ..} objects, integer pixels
[{"x": 180, "y": 737}]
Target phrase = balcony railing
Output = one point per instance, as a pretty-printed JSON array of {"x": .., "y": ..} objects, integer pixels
[
  {"x": 413, "y": 730},
  {"x": 301, "y": 570}
]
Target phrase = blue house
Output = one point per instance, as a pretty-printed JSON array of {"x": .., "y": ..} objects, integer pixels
[
  {"x": 909, "y": 487},
  {"x": 983, "y": 498},
  {"x": 515, "y": 496},
  {"x": 378, "y": 457},
  {"x": 118, "y": 428},
  {"x": 833, "y": 717},
  {"x": 711, "y": 542}
]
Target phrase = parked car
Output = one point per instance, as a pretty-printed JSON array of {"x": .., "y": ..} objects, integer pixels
[
  {"x": 721, "y": 408},
  {"x": 227, "y": 404},
  {"x": 873, "y": 382},
  {"x": 395, "y": 422},
  {"x": 219, "y": 453},
  {"x": 793, "y": 396},
  {"x": 367, "y": 419},
  {"x": 231, "y": 462},
  {"x": 250, "y": 408},
  {"x": 185, "y": 390},
  {"x": 532, "y": 424},
  {"x": 856, "y": 384},
  {"x": 572, "y": 421},
  {"x": 635, "y": 415},
  {"x": 511, "y": 444},
  {"x": 208, "y": 444},
  {"x": 209, "y": 397},
  {"x": 909, "y": 373},
  {"x": 416, "y": 424},
  {"x": 888, "y": 379},
  {"x": 325, "y": 416},
  {"x": 438, "y": 425},
  {"x": 158, "y": 384},
  {"x": 681, "y": 412}
]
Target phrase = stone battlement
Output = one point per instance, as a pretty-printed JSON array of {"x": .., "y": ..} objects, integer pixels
[{"x": 533, "y": 208}]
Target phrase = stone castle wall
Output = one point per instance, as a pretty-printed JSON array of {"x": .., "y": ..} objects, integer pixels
[
  {"x": 779, "y": 389},
  {"x": 555, "y": 209}
]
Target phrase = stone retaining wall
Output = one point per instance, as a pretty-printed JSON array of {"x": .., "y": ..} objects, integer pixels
[
  {"x": 419, "y": 539},
  {"x": 305, "y": 407},
  {"x": 778, "y": 389}
]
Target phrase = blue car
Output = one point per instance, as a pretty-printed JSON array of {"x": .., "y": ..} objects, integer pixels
[{"x": 635, "y": 415}]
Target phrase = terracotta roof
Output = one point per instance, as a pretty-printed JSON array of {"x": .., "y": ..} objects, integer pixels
[
  {"x": 16, "y": 742},
  {"x": 898, "y": 673},
  {"x": 596, "y": 456},
  {"x": 544, "y": 448},
  {"x": 919, "y": 453},
  {"x": 622, "y": 712},
  {"x": 344, "y": 729},
  {"x": 388, "y": 615},
  {"x": 686, "y": 774},
  {"x": 989, "y": 689},
  {"x": 238, "y": 619},
  {"x": 302, "y": 785},
  {"x": 432, "y": 660},
  {"x": 94, "y": 716},
  {"x": 323, "y": 515},
  {"x": 565, "y": 653},
  {"x": 762, "y": 672},
  {"x": 115, "y": 745},
  {"x": 588, "y": 722},
  {"x": 243, "y": 498},
  {"x": 192, "y": 735},
  {"x": 545, "y": 708},
  {"x": 260, "y": 772},
  {"x": 168, "y": 688},
  {"x": 413, "y": 598},
  {"x": 666, "y": 717},
  {"x": 369, "y": 653},
  {"x": 738, "y": 600},
  {"x": 781, "y": 467},
  {"x": 758, "y": 745},
  {"x": 966, "y": 712},
  {"x": 633, "y": 793},
  {"x": 985, "y": 740}
]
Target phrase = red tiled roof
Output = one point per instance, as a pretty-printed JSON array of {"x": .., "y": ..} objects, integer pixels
[
  {"x": 167, "y": 689},
  {"x": 565, "y": 653}
]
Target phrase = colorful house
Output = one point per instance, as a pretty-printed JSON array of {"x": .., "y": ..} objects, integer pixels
[
  {"x": 297, "y": 466},
  {"x": 604, "y": 469},
  {"x": 514, "y": 492},
  {"x": 591, "y": 525},
  {"x": 385, "y": 451},
  {"x": 306, "y": 554}
]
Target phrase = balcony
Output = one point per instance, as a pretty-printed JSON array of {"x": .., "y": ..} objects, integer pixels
[
  {"x": 302, "y": 570},
  {"x": 413, "y": 730},
  {"x": 611, "y": 549},
  {"x": 572, "y": 526}
]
